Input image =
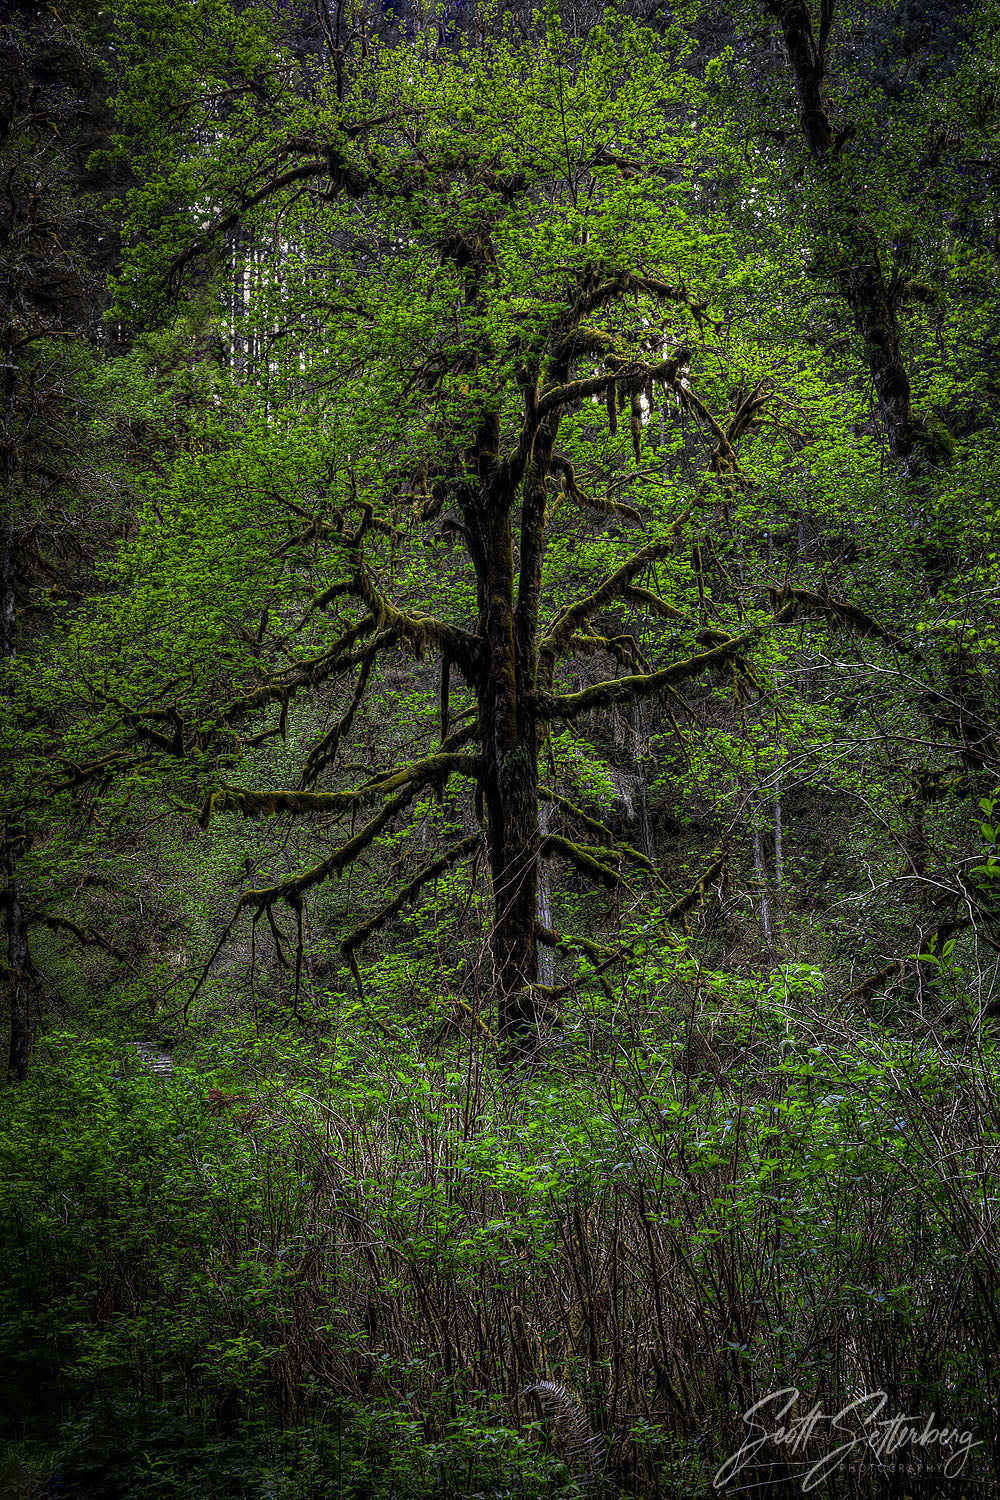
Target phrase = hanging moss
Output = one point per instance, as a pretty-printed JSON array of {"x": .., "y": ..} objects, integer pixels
[{"x": 585, "y": 859}]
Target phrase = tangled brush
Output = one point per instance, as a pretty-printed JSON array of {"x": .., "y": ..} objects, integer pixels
[{"x": 583, "y": 1447}]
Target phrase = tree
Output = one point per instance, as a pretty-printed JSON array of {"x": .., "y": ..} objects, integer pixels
[
  {"x": 873, "y": 136},
  {"x": 459, "y": 271},
  {"x": 480, "y": 256},
  {"x": 53, "y": 251},
  {"x": 881, "y": 184}
]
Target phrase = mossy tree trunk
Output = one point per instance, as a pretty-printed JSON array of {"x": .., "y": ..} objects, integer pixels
[
  {"x": 509, "y": 742},
  {"x": 847, "y": 249},
  {"x": 509, "y": 588},
  {"x": 18, "y": 959}
]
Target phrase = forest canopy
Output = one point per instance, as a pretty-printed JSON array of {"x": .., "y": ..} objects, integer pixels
[{"x": 548, "y": 367}]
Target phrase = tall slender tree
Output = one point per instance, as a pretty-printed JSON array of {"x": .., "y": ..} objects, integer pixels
[{"x": 53, "y": 253}]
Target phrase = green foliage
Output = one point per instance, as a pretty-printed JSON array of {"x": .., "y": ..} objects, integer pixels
[
  {"x": 756, "y": 1142},
  {"x": 268, "y": 1285}
]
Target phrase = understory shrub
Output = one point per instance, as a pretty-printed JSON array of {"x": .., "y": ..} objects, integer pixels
[{"x": 306, "y": 1269}]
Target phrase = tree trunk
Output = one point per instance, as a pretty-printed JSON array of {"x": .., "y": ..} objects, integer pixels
[
  {"x": 872, "y": 304},
  {"x": 862, "y": 283},
  {"x": 509, "y": 738},
  {"x": 543, "y": 901},
  {"x": 646, "y": 842},
  {"x": 514, "y": 868},
  {"x": 760, "y": 865},
  {"x": 21, "y": 1029}
]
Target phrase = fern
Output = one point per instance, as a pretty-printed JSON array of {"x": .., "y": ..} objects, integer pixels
[{"x": 583, "y": 1447}]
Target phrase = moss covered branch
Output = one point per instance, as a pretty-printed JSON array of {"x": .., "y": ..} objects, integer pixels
[
  {"x": 433, "y": 770},
  {"x": 594, "y": 825},
  {"x": 409, "y": 893},
  {"x": 560, "y": 464},
  {"x": 612, "y": 587},
  {"x": 87, "y": 939},
  {"x": 628, "y": 377},
  {"x": 420, "y": 631},
  {"x": 625, "y": 689},
  {"x": 691, "y": 898},
  {"x": 698, "y": 892},
  {"x": 565, "y": 942},
  {"x": 585, "y": 858},
  {"x": 791, "y": 602},
  {"x": 294, "y": 888},
  {"x": 655, "y": 605}
]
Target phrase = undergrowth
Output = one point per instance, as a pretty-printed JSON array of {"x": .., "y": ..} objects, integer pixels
[{"x": 336, "y": 1267}]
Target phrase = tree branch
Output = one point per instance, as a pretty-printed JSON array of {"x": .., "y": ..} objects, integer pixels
[
  {"x": 584, "y": 858},
  {"x": 561, "y": 465},
  {"x": 622, "y": 689},
  {"x": 461, "y": 645},
  {"x": 628, "y": 377},
  {"x": 594, "y": 825},
  {"x": 408, "y": 893},
  {"x": 293, "y": 889},
  {"x": 559, "y": 633},
  {"x": 790, "y": 602},
  {"x": 697, "y": 893},
  {"x": 432, "y": 769},
  {"x": 88, "y": 939},
  {"x": 656, "y": 605}
]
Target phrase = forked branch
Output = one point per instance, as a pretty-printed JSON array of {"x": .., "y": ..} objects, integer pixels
[{"x": 614, "y": 586}]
